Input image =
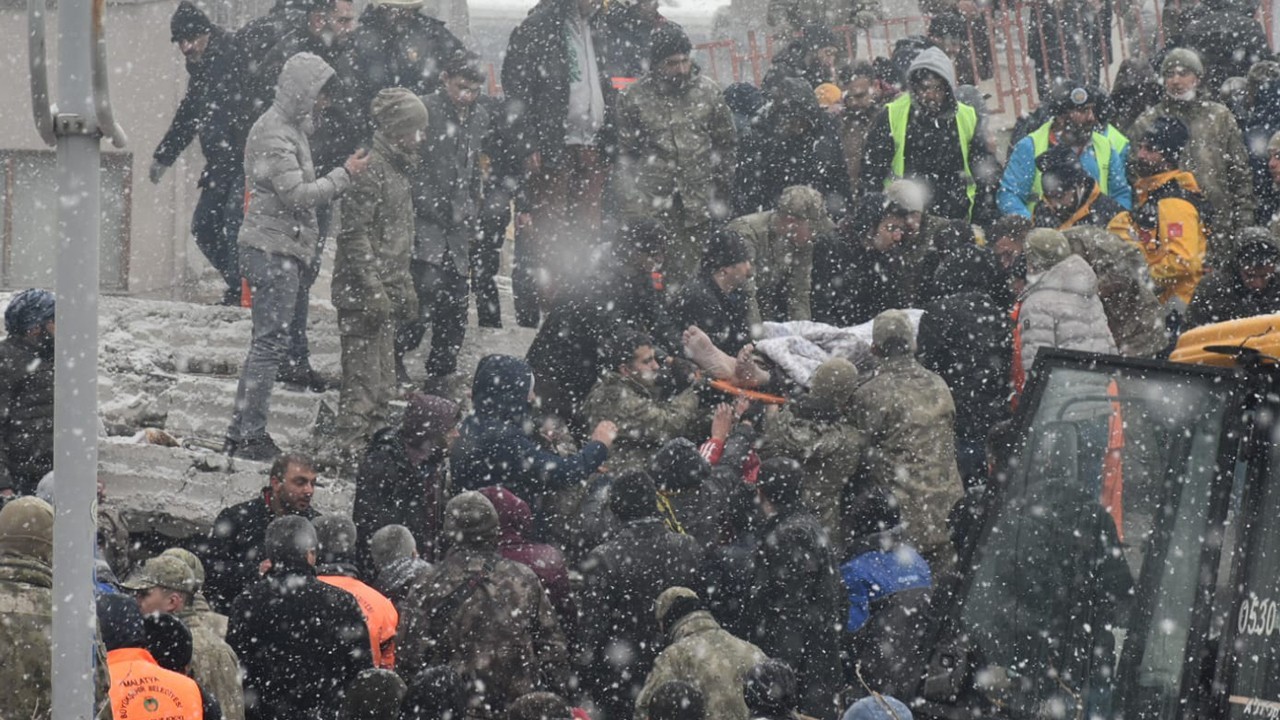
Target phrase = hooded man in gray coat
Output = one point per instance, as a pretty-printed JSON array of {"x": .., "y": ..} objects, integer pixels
[{"x": 279, "y": 238}]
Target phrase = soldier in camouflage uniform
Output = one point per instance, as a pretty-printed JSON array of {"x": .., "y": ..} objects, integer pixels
[
  {"x": 26, "y": 606},
  {"x": 782, "y": 254},
  {"x": 702, "y": 653},
  {"x": 791, "y": 16},
  {"x": 816, "y": 431},
  {"x": 214, "y": 665},
  {"x": 677, "y": 147},
  {"x": 908, "y": 416},
  {"x": 449, "y": 616},
  {"x": 1124, "y": 286},
  {"x": 371, "y": 284},
  {"x": 628, "y": 395}
]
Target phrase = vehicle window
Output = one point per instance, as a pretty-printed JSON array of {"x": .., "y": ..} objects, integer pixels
[
  {"x": 1255, "y": 690},
  {"x": 1117, "y": 471}
]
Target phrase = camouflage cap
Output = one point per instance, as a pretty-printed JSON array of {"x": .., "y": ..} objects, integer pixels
[
  {"x": 835, "y": 379},
  {"x": 193, "y": 562},
  {"x": 805, "y": 203},
  {"x": 668, "y": 598},
  {"x": 1184, "y": 58},
  {"x": 164, "y": 571},
  {"x": 469, "y": 517},
  {"x": 1045, "y": 248},
  {"x": 892, "y": 333}
]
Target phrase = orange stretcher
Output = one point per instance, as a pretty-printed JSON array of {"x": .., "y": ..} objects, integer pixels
[{"x": 729, "y": 388}]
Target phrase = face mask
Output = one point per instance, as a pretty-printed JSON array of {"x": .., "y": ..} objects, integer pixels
[{"x": 1187, "y": 96}]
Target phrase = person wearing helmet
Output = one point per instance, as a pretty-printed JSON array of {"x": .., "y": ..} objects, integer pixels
[{"x": 26, "y": 392}]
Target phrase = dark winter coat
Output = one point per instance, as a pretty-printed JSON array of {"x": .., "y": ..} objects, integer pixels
[
  {"x": 967, "y": 339},
  {"x": 501, "y": 632},
  {"x": 852, "y": 281},
  {"x": 233, "y": 551},
  {"x": 624, "y": 577},
  {"x": 1228, "y": 39},
  {"x": 567, "y": 350},
  {"x": 256, "y": 40},
  {"x": 1223, "y": 296},
  {"x": 212, "y": 108},
  {"x": 447, "y": 186},
  {"x": 547, "y": 562},
  {"x": 26, "y": 414},
  {"x": 535, "y": 77},
  {"x": 300, "y": 641},
  {"x": 398, "y": 576},
  {"x": 722, "y": 316},
  {"x": 391, "y": 490},
  {"x": 627, "y": 39},
  {"x": 494, "y": 447},
  {"x": 796, "y": 602},
  {"x": 1264, "y": 121}
]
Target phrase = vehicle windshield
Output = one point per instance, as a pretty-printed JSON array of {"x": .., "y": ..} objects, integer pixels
[{"x": 1106, "y": 511}]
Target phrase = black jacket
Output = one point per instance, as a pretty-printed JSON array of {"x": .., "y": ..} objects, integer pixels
[
  {"x": 568, "y": 348},
  {"x": 300, "y": 642},
  {"x": 624, "y": 577},
  {"x": 722, "y": 316},
  {"x": 853, "y": 282},
  {"x": 26, "y": 414},
  {"x": 535, "y": 78},
  {"x": 233, "y": 550},
  {"x": 1221, "y": 296},
  {"x": 386, "y": 54},
  {"x": 214, "y": 109},
  {"x": 796, "y": 603},
  {"x": 391, "y": 490}
]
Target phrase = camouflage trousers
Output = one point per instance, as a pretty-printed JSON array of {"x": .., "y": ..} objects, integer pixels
[{"x": 368, "y": 375}]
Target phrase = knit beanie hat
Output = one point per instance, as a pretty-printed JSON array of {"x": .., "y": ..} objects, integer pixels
[
  {"x": 120, "y": 622},
  {"x": 633, "y": 496},
  {"x": 188, "y": 22},
  {"x": 828, "y": 94},
  {"x": 1182, "y": 58},
  {"x": 781, "y": 481},
  {"x": 1060, "y": 168},
  {"x": 836, "y": 380},
  {"x": 1167, "y": 136},
  {"x": 26, "y": 529},
  {"x": 398, "y": 113},
  {"x": 892, "y": 334},
  {"x": 470, "y": 519},
  {"x": 724, "y": 248},
  {"x": 817, "y": 36},
  {"x": 668, "y": 39},
  {"x": 679, "y": 466},
  {"x": 168, "y": 641},
  {"x": 1044, "y": 248}
]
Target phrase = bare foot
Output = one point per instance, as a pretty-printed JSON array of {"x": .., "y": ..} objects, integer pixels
[{"x": 699, "y": 348}]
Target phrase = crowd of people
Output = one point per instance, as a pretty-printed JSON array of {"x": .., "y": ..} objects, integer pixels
[{"x": 645, "y": 516}]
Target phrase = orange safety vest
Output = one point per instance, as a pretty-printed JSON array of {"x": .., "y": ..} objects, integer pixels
[
  {"x": 379, "y": 614},
  {"x": 1019, "y": 376},
  {"x": 142, "y": 690},
  {"x": 1113, "y": 463}
]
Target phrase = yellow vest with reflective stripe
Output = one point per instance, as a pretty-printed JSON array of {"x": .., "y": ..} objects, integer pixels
[
  {"x": 1101, "y": 151},
  {"x": 966, "y": 127},
  {"x": 1117, "y": 139}
]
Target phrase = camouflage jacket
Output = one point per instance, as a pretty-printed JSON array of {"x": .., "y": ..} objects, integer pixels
[
  {"x": 782, "y": 284},
  {"x": 794, "y": 15},
  {"x": 676, "y": 142},
  {"x": 827, "y": 445},
  {"x": 26, "y": 635},
  {"x": 644, "y": 422},
  {"x": 371, "y": 267},
  {"x": 909, "y": 417},
  {"x": 705, "y": 654},
  {"x": 501, "y": 631},
  {"x": 214, "y": 665}
]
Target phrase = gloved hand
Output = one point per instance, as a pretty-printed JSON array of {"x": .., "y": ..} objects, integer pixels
[{"x": 156, "y": 172}]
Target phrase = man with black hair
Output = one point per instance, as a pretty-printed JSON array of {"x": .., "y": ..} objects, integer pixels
[
  {"x": 630, "y": 396},
  {"x": 1070, "y": 197},
  {"x": 701, "y": 652},
  {"x": 213, "y": 109},
  {"x": 301, "y": 641},
  {"x": 677, "y": 148},
  {"x": 233, "y": 554},
  {"x": 627, "y": 291},
  {"x": 1073, "y": 126},
  {"x": 1171, "y": 215},
  {"x": 623, "y": 578},
  {"x": 447, "y": 199},
  {"x": 771, "y": 691},
  {"x": 1244, "y": 288},
  {"x": 796, "y": 599},
  {"x": 26, "y": 391},
  {"x": 716, "y": 300}
]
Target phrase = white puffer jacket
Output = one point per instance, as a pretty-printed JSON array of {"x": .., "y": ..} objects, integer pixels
[{"x": 1062, "y": 310}]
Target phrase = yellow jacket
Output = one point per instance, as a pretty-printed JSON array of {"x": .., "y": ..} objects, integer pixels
[{"x": 1167, "y": 227}]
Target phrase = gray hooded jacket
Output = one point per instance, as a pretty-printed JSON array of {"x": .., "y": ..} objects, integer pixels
[{"x": 284, "y": 191}]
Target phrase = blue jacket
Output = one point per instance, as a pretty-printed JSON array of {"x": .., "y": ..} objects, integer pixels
[
  {"x": 493, "y": 446},
  {"x": 1015, "y": 194},
  {"x": 876, "y": 575}
]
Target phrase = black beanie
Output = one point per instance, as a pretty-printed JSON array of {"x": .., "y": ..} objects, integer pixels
[
  {"x": 872, "y": 512},
  {"x": 633, "y": 496},
  {"x": 120, "y": 622},
  {"x": 1061, "y": 165},
  {"x": 169, "y": 642},
  {"x": 781, "y": 481},
  {"x": 679, "y": 466},
  {"x": 1167, "y": 136},
  {"x": 724, "y": 248},
  {"x": 668, "y": 39},
  {"x": 815, "y": 37},
  {"x": 188, "y": 22}
]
